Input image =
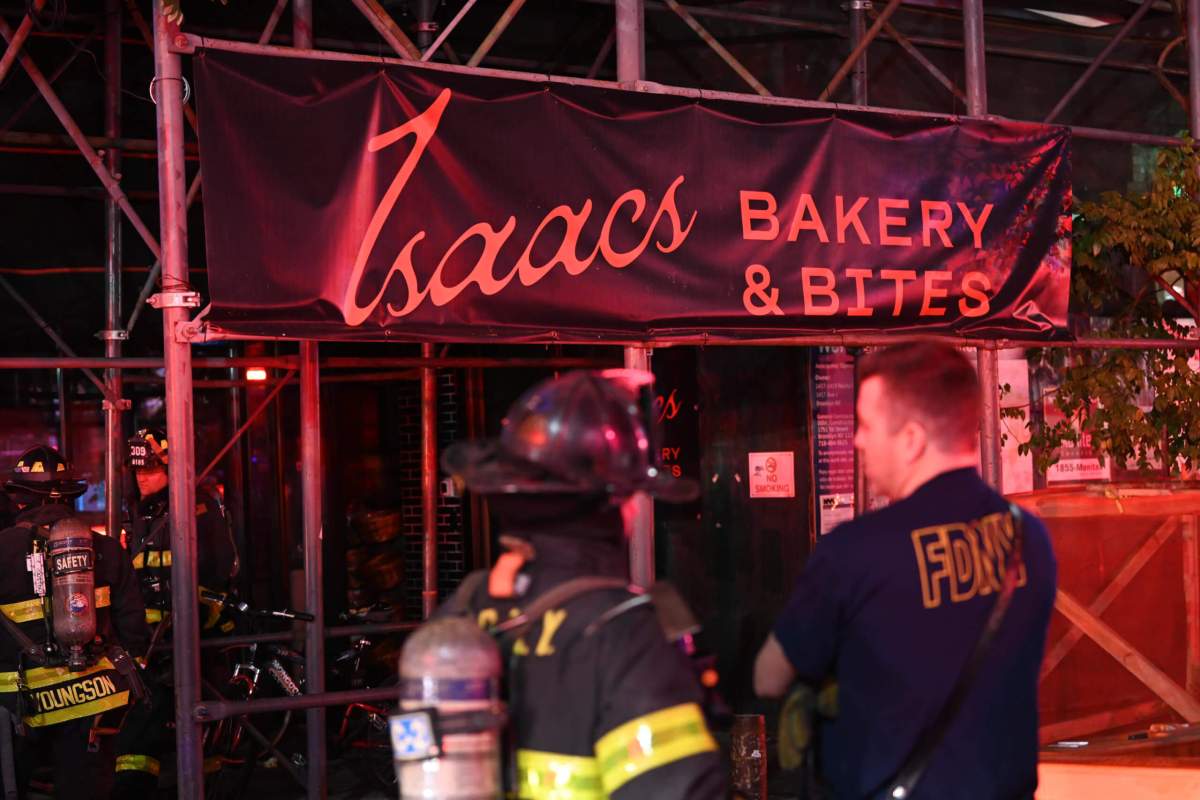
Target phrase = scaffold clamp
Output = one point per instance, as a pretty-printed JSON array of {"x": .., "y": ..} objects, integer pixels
[
  {"x": 175, "y": 300},
  {"x": 119, "y": 335}
]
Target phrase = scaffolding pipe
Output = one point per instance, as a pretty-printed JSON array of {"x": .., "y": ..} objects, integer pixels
[
  {"x": 387, "y": 28},
  {"x": 631, "y": 40},
  {"x": 495, "y": 33},
  {"x": 245, "y": 426},
  {"x": 178, "y": 359},
  {"x": 314, "y": 632},
  {"x": 156, "y": 270},
  {"x": 890, "y": 30},
  {"x": 336, "y": 632},
  {"x": 18, "y": 41},
  {"x": 602, "y": 56},
  {"x": 189, "y": 43},
  {"x": 311, "y": 482},
  {"x": 1117, "y": 38},
  {"x": 272, "y": 22},
  {"x": 59, "y": 342},
  {"x": 77, "y": 136},
  {"x": 858, "y": 32},
  {"x": 34, "y": 139},
  {"x": 139, "y": 22},
  {"x": 987, "y": 358},
  {"x": 113, "y": 331},
  {"x": 631, "y": 64},
  {"x": 859, "y": 49},
  {"x": 63, "y": 426},
  {"x": 858, "y": 29},
  {"x": 718, "y": 48},
  {"x": 429, "y": 483},
  {"x": 1193, "y": 56},
  {"x": 974, "y": 57},
  {"x": 235, "y": 485},
  {"x": 445, "y": 34},
  {"x": 213, "y": 710}
]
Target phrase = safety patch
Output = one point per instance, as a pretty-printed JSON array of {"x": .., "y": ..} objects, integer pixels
[{"x": 71, "y": 560}]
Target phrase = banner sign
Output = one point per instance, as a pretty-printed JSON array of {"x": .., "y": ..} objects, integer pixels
[{"x": 350, "y": 200}]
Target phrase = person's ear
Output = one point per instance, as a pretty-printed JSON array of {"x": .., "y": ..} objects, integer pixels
[{"x": 914, "y": 441}]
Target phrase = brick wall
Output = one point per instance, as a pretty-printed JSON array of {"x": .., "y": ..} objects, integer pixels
[{"x": 451, "y": 523}]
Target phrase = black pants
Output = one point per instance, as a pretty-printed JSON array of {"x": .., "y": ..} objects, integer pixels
[
  {"x": 146, "y": 738},
  {"x": 79, "y": 773}
]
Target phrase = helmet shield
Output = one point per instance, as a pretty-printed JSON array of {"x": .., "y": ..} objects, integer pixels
[{"x": 147, "y": 449}]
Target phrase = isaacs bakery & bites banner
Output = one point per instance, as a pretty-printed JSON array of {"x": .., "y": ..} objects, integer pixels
[{"x": 362, "y": 200}]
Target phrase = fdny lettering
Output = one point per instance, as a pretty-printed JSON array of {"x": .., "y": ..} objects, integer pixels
[
  {"x": 963, "y": 560},
  {"x": 552, "y": 621},
  {"x": 75, "y": 694},
  {"x": 70, "y": 561}
]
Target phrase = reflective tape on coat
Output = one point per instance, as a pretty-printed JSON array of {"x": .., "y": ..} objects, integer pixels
[
  {"x": 651, "y": 741},
  {"x": 59, "y": 695}
]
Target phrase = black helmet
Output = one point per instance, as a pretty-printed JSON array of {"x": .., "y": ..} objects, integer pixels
[
  {"x": 581, "y": 433},
  {"x": 147, "y": 450},
  {"x": 41, "y": 470}
]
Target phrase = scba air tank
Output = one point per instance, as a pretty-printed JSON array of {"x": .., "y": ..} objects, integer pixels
[
  {"x": 72, "y": 558},
  {"x": 451, "y": 665}
]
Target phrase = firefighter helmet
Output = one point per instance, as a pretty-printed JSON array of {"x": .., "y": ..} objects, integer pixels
[
  {"x": 41, "y": 470},
  {"x": 147, "y": 450},
  {"x": 581, "y": 433}
]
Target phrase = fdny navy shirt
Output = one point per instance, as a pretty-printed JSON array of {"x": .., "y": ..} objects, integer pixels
[{"x": 891, "y": 605}]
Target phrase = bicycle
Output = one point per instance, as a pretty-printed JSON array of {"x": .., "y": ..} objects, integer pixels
[
  {"x": 363, "y": 731},
  {"x": 254, "y": 670}
]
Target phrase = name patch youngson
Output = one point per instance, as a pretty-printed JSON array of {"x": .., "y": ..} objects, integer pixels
[{"x": 75, "y": 693}]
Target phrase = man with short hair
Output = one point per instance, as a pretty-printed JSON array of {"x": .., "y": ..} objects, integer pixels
[{"x": 892, "y": 604}]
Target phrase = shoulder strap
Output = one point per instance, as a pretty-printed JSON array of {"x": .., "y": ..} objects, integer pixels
[
  {"x": 458, "y": 603},
  {"x": 905, "y": 780},
  {"x": 557, "y": 596},
  {"x": 27, "y": 646}
]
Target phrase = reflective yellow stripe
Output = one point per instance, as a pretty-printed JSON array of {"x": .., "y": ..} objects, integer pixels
[
  {"x": 555, "y": 776},
  {"x": 133, "y": 763},
  {"x": 58, "y": 685},
  {"x": 89, "y": 709},
  {"x": 24, "y": 611},
  {"x": 152, "y": 558},
  {"x": 154, "y": 615},
  {"x": 651, "y": 741},
  {"x": 41, "y": 677},
  {"x": 213, "y": 607},
  {"x": 212, "y": 765},
  {"x": 30, "y": 610}
]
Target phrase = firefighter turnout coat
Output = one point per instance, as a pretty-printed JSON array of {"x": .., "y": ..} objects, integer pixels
[
  {"x": 610, "y": 712},
  {"x": 54, "y": 694}
]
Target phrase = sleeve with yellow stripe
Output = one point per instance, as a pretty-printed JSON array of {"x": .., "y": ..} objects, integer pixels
[{"x": 651, "y": 738}]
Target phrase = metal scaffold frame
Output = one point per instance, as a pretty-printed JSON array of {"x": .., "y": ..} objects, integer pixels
[{"x": 180, "y": 329}]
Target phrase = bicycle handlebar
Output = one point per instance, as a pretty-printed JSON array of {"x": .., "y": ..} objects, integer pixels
[{"x": 244, "y": 608}]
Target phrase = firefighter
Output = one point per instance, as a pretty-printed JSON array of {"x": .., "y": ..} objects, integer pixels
[
  {"x": 602, "y": 705},
  {"x": 60, "y": 705},
  {"x": 146, "y": 736},
  {"x": 149, "y": 534}
]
